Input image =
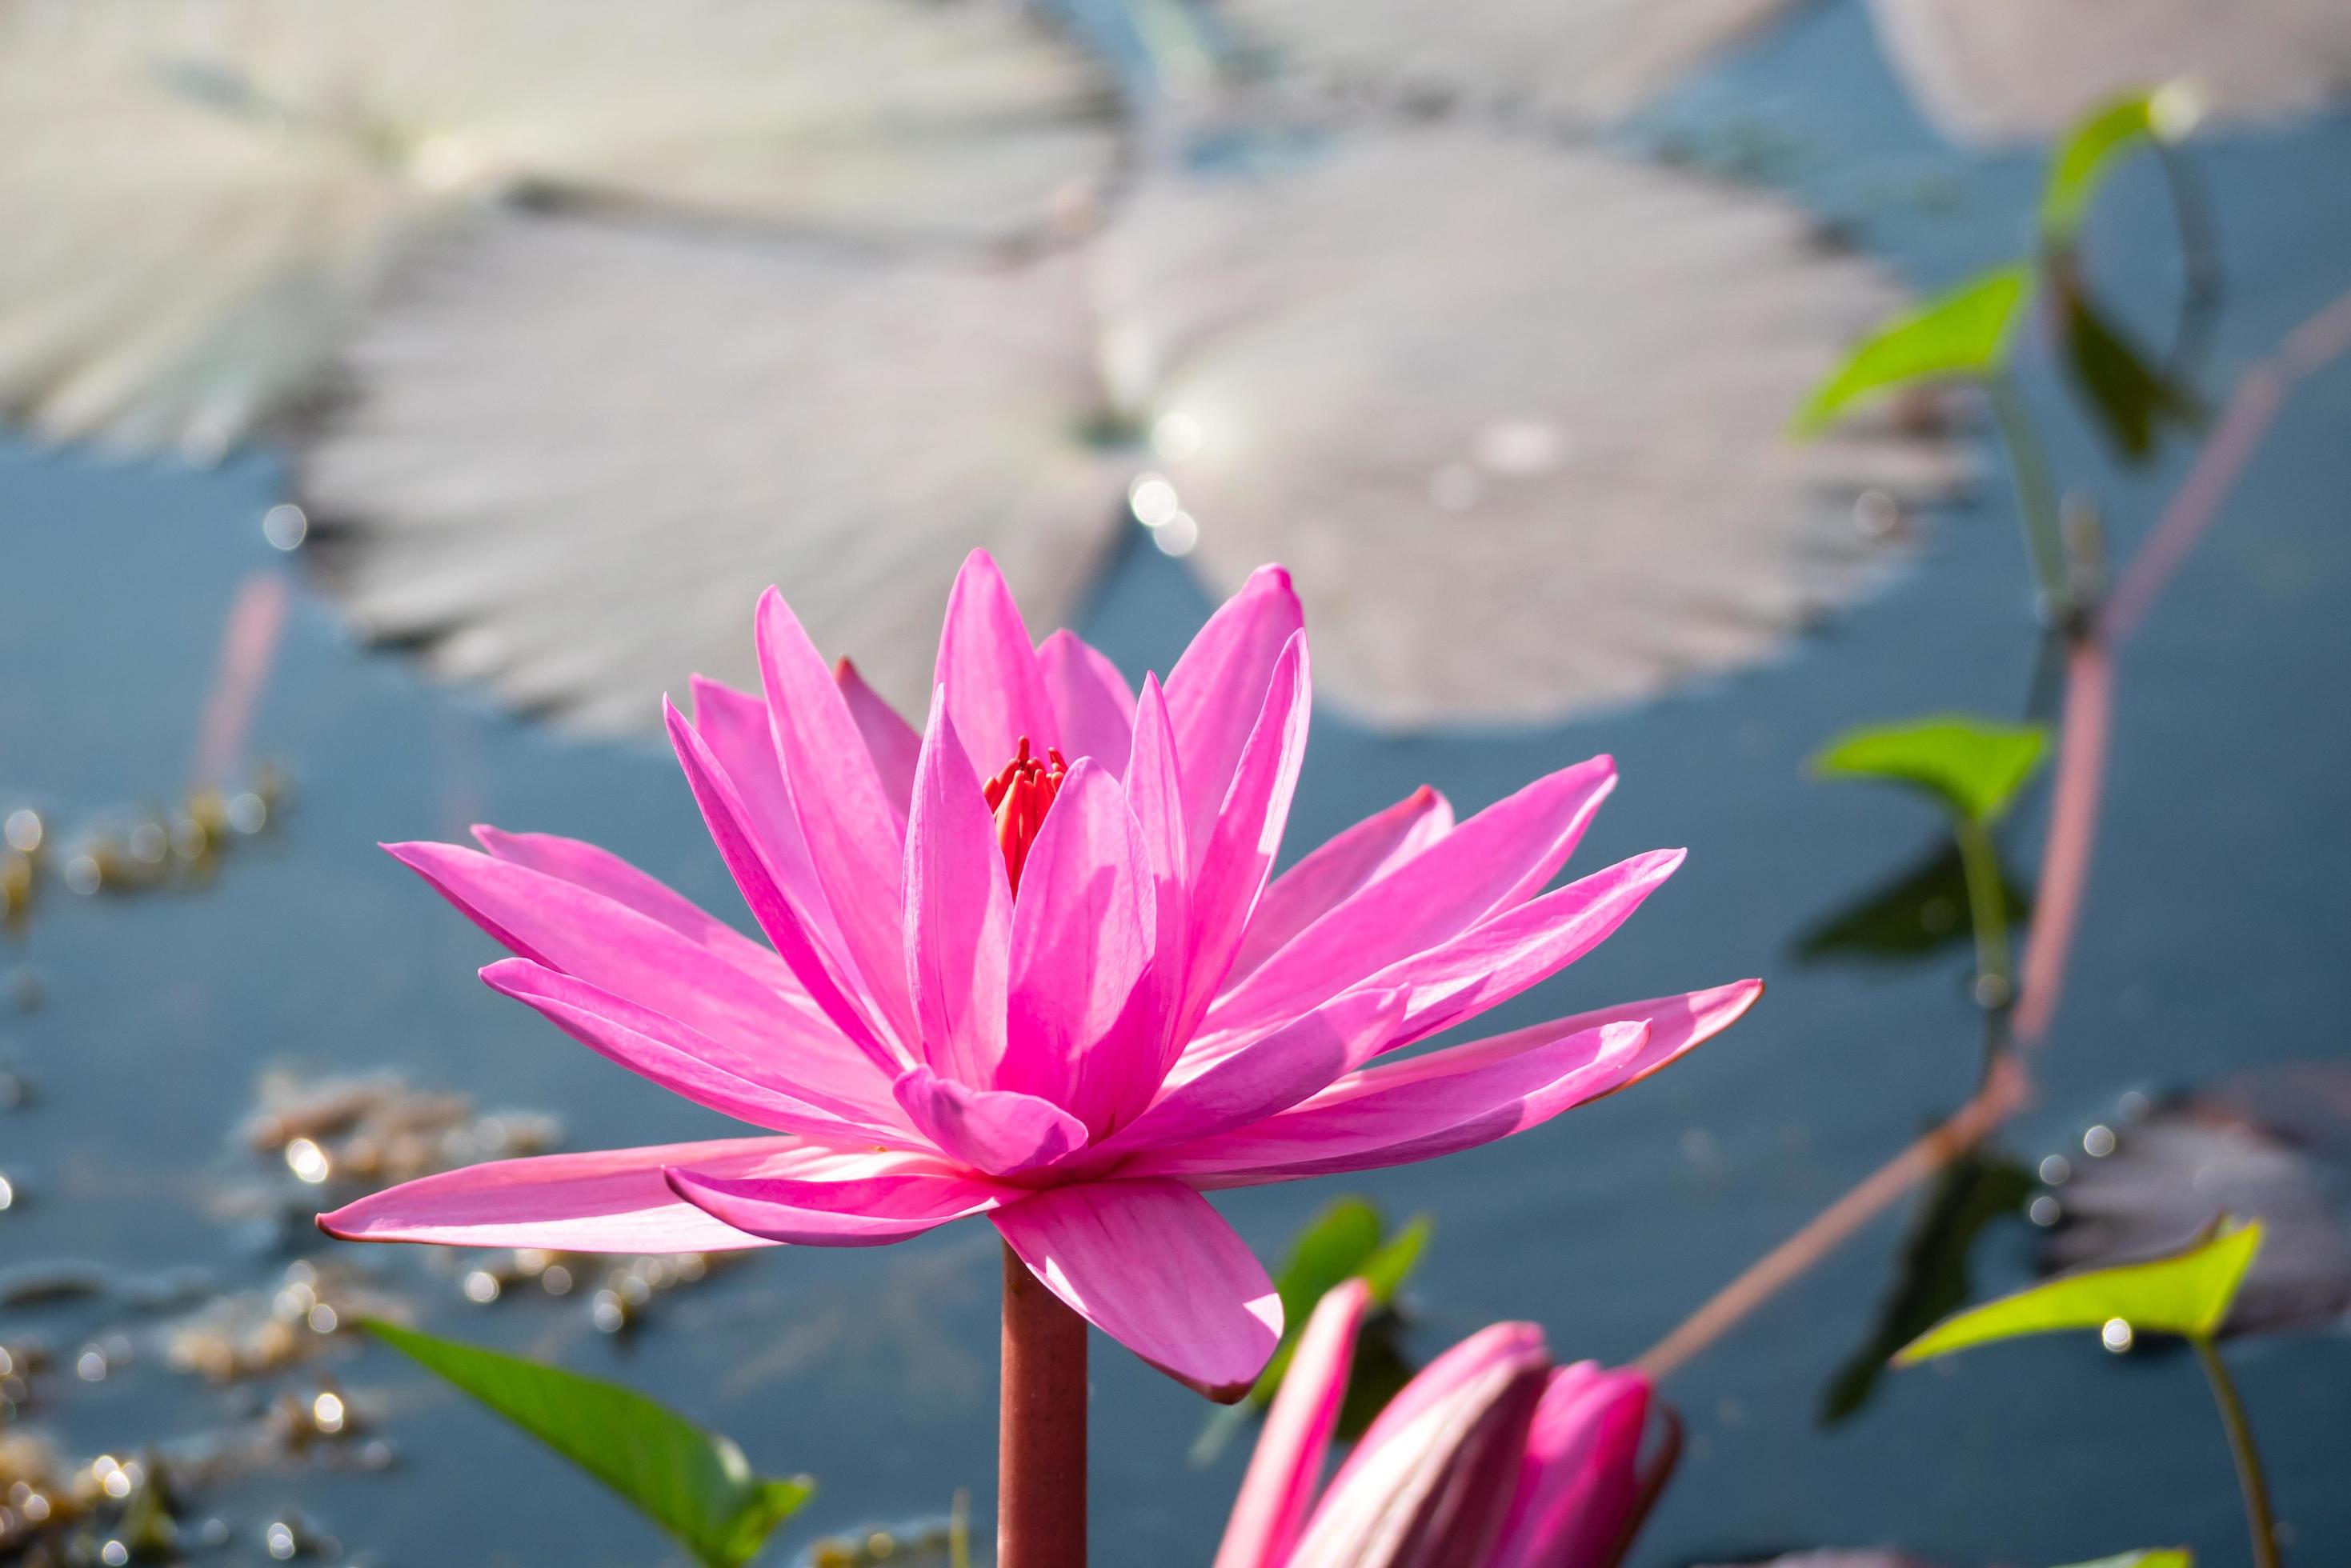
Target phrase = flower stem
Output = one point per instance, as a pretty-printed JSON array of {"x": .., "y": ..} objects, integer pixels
[
  {"x": 1040, "y": 1511},
  {"x": 1987, "y": 913},
  {"x": 2241, "y": 1447},
  {"x": 2036, "y": 494}
]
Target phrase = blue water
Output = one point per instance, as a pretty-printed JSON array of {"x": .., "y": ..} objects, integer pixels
[{"x": 2213, "y": 940}]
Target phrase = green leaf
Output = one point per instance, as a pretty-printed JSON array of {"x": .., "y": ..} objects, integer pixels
[
  {"x": 2152, "y": 1557},
  {"x": 2098, "y": 142},
  {"x": 1387, "y": 1270},
  {"x": 1345, "y": 1239},
  {"x": 694, "y": 1484},
  {"x": 2184, "y": 1292},
  {"x": 1973, "y": 765},
  {"x": 1931, "y": 1275},
  {"x": 1913, "y": 914},
  {"x": 1964, "y": 333},
  {"x": 2133, "y": 401}
]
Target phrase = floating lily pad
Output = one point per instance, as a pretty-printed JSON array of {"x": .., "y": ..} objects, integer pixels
[
  {"x": 1514, "y": 412},
  {"x": 1595, "y": 60},
  {"x": 575, "y": 453},
  {"x": 2023, "y": 71},
  {"x": 207, "y": 196}
]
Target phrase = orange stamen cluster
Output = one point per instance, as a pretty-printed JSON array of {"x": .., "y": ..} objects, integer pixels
[{"x": 1021, "y": 796}]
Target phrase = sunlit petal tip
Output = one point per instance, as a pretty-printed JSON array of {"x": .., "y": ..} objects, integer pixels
[
  {"x": 603, "y": 1200},
  {"x": 1273, "y": 578},
  {"x": 870, "y": 1212},
  {"x": 1152, "y": 1264}
]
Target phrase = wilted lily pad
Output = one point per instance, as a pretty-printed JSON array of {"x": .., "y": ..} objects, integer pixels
[{"x": 2273, "y": 1146}]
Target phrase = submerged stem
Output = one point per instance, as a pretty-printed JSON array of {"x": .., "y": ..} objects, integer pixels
[
  {"x": 1041, "y": 1509},
  {"x": 1986, "y": 912},
  {"x": 2241, "y": 1448},
  {"x": 2036, "y": 494},
  {"x": 2199, "y": 256},
  {"x": 959, "y": 1531}
]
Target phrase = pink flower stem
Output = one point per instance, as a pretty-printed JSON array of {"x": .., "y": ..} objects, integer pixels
[
  {"x": 1040, "y": 1511},
  {"x": 2073, "y": 829},
  {"x": 249, "y": 645}
]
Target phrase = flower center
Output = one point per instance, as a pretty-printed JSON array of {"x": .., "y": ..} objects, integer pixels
[{"x": 1021, "y": 795}]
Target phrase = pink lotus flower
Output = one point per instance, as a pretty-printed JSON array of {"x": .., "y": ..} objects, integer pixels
[
  {"x": 1490, "y": 1458},
  {"x": 1029, "y": 964}
]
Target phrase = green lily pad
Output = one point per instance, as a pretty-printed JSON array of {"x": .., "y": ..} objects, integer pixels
[
  {"x": 1962, "y": 334},
  {"x": 694, "y": 1484},
  {"x": 2185, "y": 1292},
  {"x": 1973, "y": 765}
]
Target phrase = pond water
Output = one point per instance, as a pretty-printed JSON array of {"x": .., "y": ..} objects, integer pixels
[{"x": 2214, "y": 940}]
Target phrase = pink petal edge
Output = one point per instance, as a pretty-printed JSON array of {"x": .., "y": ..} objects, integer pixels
[
  {"x": 1152, "y": 1264},
  {"x": 1278, "y": 1492}
]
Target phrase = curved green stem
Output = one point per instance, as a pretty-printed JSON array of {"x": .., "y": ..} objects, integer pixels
[
  {"x": 2200, "y": 255},
  {"x": 2036, "y": 494},
  {"x": 2241, "y": 1447},
  {"x": 1986, "y": 912}
]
